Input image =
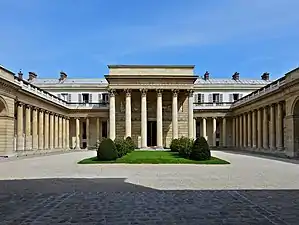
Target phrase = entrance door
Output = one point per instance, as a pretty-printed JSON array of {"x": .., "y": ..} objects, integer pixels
[{"x": 152, "y": 133}]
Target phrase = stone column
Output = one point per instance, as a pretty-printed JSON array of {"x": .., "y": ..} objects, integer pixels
[
  {"x": 279, "y": 126},
  {"x": 98, "y": 129},
  {"x": 20, "y": 127},
  {"x": 272, "y": 128},
  {"x": 214, "y": 130},
  {"x": 241, "y": 131},
  {"x": 190, "y": 114},
  {"x": 87, "y": 133},
  {"x": 234, "y": 131},
  {"x": 224, "y": 131},
  {"x": 41, "y": 130},
  {"x": 112, "y": 114},
  {"x": 77, "y": 133},
  {"x": 28, "y": 128},
  {"x": 143, "y": 119},
  {"x": 34, "y": 129},
  {"x": 254, "y": 129},
  {"x": 204, "y": 127},
  {"x": 265, "y": 129},
  {"x": 51, "y": 139},
  {"x": 249, "y": 136},
  {"x": 175, "y": 132},
  {"x": 46, "y": 129},
  {"x": 60, "y": 132},
  {"x": 259, "y": 129},
  {"x": 194, "y": 128},
  {"x": 159, "y": 120},
  {"x": 63, "y": 133},
  {"x": 56, "y": 131},
  {"x": 244, "y": 131},
  {"x": 67, "y": 133},
  {"x": 128, "y": 113},
  {"x": 237, "y": 132}
]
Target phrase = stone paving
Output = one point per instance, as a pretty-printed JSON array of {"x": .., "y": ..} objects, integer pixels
[{"x": 55, "y": 190}]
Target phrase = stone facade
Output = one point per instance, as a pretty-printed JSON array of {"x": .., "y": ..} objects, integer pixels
[{"x": 153, "y": 105}]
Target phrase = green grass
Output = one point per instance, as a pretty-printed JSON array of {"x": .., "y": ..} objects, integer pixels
[{"x": 154, "y": 157}]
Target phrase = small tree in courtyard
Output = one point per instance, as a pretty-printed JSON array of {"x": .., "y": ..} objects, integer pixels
[
  {"x": 200, "y": 149},
  {"x": 107, "y": 150}
]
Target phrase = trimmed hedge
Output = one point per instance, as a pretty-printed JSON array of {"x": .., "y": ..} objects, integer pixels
[
  {"x": 200, "y": 150},
  {"x": 174, "y": 146},
  {"x": 130, "y": 144},
  {"x": 107, "y": 150},
  {"x": 185, "y": 146},
  {"x": 122, "y": 147}
]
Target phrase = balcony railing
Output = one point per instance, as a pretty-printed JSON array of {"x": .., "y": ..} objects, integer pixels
[
  {"x": 212, "y": 105},
  {"x": 88, "y": 105}
]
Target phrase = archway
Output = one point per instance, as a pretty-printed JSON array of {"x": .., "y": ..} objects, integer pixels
[{"x": 296, "y": 128}]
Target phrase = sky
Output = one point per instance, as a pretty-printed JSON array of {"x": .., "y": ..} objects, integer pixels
[{"x": 81, "y": 37}]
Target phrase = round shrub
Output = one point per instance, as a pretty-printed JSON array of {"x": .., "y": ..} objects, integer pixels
[
  {"x": 107, "y": 150},
  {"x": 185, "y": 146},
  {"x": 174, "y": 145},
  {"x": 122, "y": 147},
  {"x": 200, "y": 150},
  {"x": 130, "y": 144}
]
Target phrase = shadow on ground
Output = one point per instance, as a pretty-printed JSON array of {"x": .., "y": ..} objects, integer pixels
[{"x": 113, "y": 201}]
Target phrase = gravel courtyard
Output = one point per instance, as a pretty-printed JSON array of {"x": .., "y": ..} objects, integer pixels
[{"x": 56, "y": 190}]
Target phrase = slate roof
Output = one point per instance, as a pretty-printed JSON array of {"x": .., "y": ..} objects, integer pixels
[{"x": 231, "y": 81}]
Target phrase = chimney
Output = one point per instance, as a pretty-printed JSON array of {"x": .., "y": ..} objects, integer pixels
[
  {"x": 206, "y": 76},
  {"x": 266, "y": 76},
  {"x": 32, "y": 76},
  {"x": 236, "y": 76},
  {"x": 20, "y": 74},
  {"x": 63, "y": 76}
]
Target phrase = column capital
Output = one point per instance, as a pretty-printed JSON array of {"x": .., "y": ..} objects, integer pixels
[
  {"x": 42, "y": 110},
  {"x": 28, "y": 106},
  {"x": 128, "y": 92},
  {"x": 112, "y": 92},
  {"x": 143, "y": 92},
  {"x": 159, "y": 92},
  {"x": 175, "y": 92},
  {"x": 190, "y": 93},
  {"x": 20, "y": 104}
]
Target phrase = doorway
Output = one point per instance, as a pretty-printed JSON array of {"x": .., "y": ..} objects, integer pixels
[{"x": 151, "y": 133}]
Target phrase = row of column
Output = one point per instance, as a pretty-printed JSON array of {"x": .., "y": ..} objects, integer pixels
[
  {"x": 128, "y": 126},
  {"x": 78, "y": 133},
  {"x": 43, "y": 129},
  {"x": 214, "y": 129},
  {"x": 261, "y": 128}
]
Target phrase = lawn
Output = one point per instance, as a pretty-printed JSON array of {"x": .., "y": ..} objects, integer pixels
[{"x": 154, "y": 157}]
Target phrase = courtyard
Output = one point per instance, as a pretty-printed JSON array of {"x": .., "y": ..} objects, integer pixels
[{"x": 55, "y": 189}]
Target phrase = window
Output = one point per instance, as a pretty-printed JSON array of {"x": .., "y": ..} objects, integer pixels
[
  {"x": 200, "y": 98},
  {"x": 105, "y": 97},
  {"x": 216, "y": 98},
  {"x": 235, "y": 97},
  {"x": 85, "y": 98},
  {"x": 64, "y": 96}
]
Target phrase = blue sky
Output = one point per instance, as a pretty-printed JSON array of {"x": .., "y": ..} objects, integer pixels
[{"x": 81, "y": 37}]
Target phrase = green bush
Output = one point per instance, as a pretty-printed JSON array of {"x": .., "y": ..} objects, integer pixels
[
  {"x": 122, "y": 147},
  {"x": 200, "y": 150},
  {"x": 174, "y": 145},
  {"x": 130, "y": 144},
  {"x": 185, "y": 146},
  {"x": 107, "y": 150}
]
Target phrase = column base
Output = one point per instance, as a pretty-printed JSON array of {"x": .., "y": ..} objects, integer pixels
[{"x": 21, "y": 144}]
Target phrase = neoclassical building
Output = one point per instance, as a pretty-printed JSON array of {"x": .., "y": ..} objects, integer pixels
[{"x": 153, "y": 104}]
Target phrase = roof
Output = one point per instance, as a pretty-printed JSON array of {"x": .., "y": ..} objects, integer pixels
[
  {"x": 39, "y": 81},
  {"x": 151, "y": 66},
  {"x": 231, "y": 81}
]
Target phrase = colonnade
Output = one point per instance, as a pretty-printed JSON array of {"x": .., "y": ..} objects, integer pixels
[
  {"x": 223, "y": 132},
  {"x": 128, "y": 126},
  {"x": 260, "y": 128},
  {"x": 41, "y": 130}
]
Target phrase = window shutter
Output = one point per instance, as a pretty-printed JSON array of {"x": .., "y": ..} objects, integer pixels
[
  {"x": 231, "y": 98},
  {"x": 210, "y": 98},
  {"x": 195, "y": 98},
  {"x": 221, "y": 98},
  {"x": 59, "y": 95},
  {"x": 79, "y": 98},
  {"x": 69, "y": 98},
  {"x": 99, "y": 97},
  {"x": 202, "y": 99},
  {"x": 90, "y": 98}
]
